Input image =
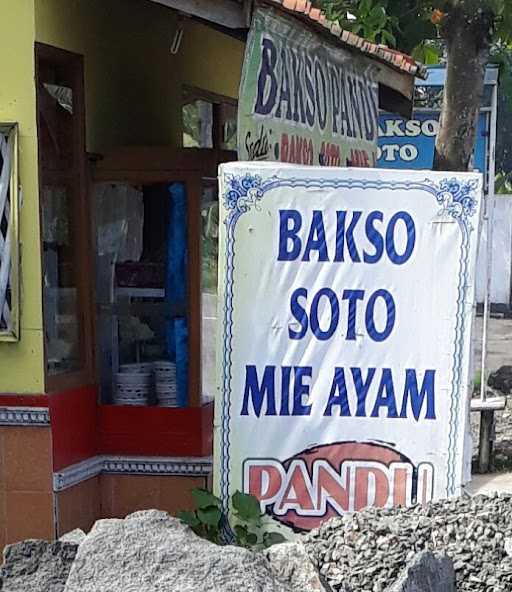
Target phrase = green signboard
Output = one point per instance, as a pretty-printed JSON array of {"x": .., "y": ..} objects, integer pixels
[{"x": 303, "y": 100}]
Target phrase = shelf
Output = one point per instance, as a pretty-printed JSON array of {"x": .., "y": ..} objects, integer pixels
[{"x": 140, "y": 292}]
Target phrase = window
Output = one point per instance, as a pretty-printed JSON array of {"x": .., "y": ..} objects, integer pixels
[
  {"x": 64, "y": 217},
  {"x": 139, "y": 262},
  {"x": 209, "y": 278},
  {"x": 209, "y": 121},
  {"x": 9, "y": 319},
  {"x": 198, "y": 124},
  {"x": 227, "y": 120}
]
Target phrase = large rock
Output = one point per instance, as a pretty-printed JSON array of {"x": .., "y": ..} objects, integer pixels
[
  {"x": 151, "y": 552},
  {"x": 501, "y": 380},
  {"x": 427, "y": 573},
  {"x": 36, "y": 566},
  {"x": 76, "y": 536},
  {"x": 291, "y": 564}
]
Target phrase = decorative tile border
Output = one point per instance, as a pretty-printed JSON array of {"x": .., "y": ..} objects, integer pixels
[
  {"x": 136, "y": 465},
  {"x": 186, "y": 466},
  {"x": 77, "y": 473},
  {"x": 24, "y": 416}
]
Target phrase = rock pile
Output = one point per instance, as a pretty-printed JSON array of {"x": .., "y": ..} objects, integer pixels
[
  {"x": 463, "y": 544},
  {"x": 501, "y": 380},
  {"x": 367, "y": 552}
]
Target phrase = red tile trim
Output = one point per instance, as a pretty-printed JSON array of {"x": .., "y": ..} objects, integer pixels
[{"x": 16, "y": 400}]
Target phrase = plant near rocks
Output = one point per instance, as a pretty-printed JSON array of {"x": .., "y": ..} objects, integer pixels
[
  {"x": 208, "y": 518},
  {"x": 205, "y": 520}
]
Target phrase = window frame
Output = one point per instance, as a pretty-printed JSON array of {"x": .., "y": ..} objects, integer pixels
[
  {"x": 76, "y": 178},
  {"x": 192, "y": 93},
  {"x": 12, "y": 332}
]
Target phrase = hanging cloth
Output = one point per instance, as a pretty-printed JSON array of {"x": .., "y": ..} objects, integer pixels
[{"x": 176, "y": 289}]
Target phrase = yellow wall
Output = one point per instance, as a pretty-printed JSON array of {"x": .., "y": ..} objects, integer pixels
[
  {"x": 210, "y": 60},
  {"x": 133, "y": 96},
  {"x": 21, "y": 364},
  {"x": 133, "y": 82}
]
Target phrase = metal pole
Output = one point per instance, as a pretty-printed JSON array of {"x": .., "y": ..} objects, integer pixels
[
  {"x": 487, "y": 434},
  {"x": 489, "y": 208}
]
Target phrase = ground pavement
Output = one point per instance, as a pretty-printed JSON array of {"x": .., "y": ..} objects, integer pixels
[{"x": 499, "y": 350}]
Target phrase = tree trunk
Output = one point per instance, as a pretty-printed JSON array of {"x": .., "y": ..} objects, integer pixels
[{"x": 467, "y": 36}]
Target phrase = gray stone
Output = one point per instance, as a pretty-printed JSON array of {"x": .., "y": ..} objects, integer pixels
[
  {"x": 291, "y": 564},
  {"x": 501, "y": 380},
  {"x": 151, "y": 552},
  {"x": 74, "y": 536},
  {"x": 36, "y": 566},
  {"x": 368, "y": 551},
  {"x": 426, "y": 572}
]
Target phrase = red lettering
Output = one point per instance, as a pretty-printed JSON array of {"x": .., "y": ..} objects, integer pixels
[
  {"x": 284, "y": 148},
  {"x": 401, "y": 479},
  {"x": 292, "y": 157},
  {"x": 265, "y": 481},
  {"x": 297, "y": 491},
  {"x": 360, "y": 158},
  {"x": 330, "y": 154},
  {"x": 331, "y": 489},
  {"x": 371, "y": 488},
  {"x": 298, "y": 150}
]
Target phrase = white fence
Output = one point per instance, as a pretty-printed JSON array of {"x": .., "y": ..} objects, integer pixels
[{"x": 501, "y": 254}]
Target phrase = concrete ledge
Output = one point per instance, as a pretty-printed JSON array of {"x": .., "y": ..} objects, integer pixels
[
  {"x": 491, "y": 404},
  {"x": 133, "y": 465}
]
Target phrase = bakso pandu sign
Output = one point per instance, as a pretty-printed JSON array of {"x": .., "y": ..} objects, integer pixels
[
  {"x": 345, "y": 308},
  {"x": 304, "y": 101}
]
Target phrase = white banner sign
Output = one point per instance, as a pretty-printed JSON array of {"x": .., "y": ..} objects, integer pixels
[{"x": 346, "y": 299}]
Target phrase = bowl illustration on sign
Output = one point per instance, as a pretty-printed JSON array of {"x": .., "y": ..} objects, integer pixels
[{"x": 330, "y": 480}]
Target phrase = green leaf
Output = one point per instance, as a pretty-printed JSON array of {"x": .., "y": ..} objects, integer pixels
[
  {"x": 388, "y": 38},
  {"x": 427, "y": 53},
  {"x": 273, "y": 538},
  {"x": 204, "y": 498},
  {"x": 431, "y": 55},
  {"x": 189, "y": 518},
  {"x": 242, "y": 534},
  {"x": 252, "y": 538},
  {"x": 210, "y": 516},
  {"x": 378, "y": 16},
  {"x": 246, "y": 506},
  {"x": 212, "y": 534},
  {"x": 241, "y": 530},
  {"x": 365, "y": 6}
]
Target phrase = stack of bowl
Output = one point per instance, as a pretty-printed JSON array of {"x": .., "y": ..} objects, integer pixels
[
  {"x": 165, "y": 381},
  {"x": 133, "y": 384},
  {"x": 141, "y": 368}
]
